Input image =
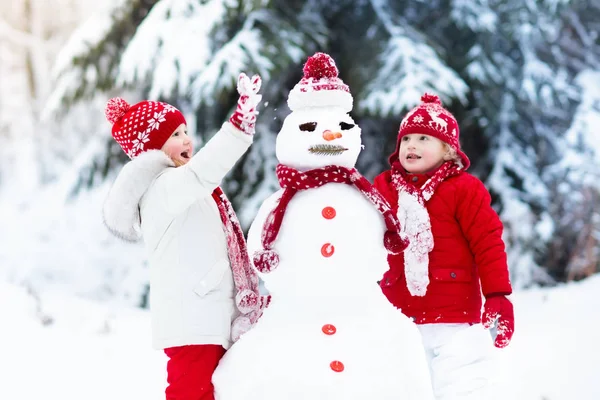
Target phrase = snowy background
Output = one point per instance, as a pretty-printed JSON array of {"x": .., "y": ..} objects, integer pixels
[
  {"x": 71, "y": 348},
  {"x": 522, "y": 77}
]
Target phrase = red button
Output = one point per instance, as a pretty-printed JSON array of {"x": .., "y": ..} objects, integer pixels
[
  {"x": 327, "y": 250},
  {"x": 337, "y": 366},
  {"x": 328, "y": 329},
  {"x": 328, "y": 213}
]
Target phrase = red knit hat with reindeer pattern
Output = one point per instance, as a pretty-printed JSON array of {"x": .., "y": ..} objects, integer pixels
[
  {"x": 144, "y": 126},
  {"x": 431, "y": 118}
]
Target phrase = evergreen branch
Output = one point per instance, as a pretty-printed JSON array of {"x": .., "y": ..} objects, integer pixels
[
  {"x": 89, "y": 64},
  {"x": 19, "y": 37}
]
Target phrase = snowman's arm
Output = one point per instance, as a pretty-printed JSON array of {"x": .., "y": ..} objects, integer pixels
[{"x": 256, "y": 228}]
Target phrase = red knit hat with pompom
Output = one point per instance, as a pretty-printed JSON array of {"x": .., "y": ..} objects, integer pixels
[
  {"x": 320, "y": 86},
  {"x": 144, "y": 126},
  {"x": 431, "y": 118}
]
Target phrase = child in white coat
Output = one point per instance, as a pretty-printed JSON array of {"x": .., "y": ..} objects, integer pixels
[{"x": 203, "y": 292}]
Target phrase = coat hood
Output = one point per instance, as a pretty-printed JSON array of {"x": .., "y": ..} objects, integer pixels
[{"x": 121, "y": 211}]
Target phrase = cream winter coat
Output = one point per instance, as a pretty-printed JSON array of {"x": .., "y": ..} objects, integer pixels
[{"x": 191, "y": 283}]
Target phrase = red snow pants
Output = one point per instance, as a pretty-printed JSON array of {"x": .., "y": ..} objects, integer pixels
[{"x": 190, "y": 370}]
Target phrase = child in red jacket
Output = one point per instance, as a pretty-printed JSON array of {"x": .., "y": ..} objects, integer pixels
[{"x": 456, "y": 253}]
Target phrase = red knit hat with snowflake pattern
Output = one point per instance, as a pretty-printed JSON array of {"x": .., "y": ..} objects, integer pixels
[
  {"x": 320, "y": 86},
  {"x": 144, "y": 126},
  {"x": 431, "y": 118}
]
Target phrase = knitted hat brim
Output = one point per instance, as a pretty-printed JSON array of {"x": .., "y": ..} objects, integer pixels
[
  {"x": 427, "y": 131},
  {"x": 298, "y": 99}
]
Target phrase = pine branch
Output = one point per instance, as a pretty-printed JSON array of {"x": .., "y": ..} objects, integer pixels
[
  {"x": 19, "y": 37},
  {"x": 87, "y": 64}
]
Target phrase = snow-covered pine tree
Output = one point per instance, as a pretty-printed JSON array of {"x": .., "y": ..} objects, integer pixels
[
  {"x": 190, "y": 52},
  {"x": 30, "y": 37},
  {"x": 511, "y": 71},
  {"x": 35, "y": 152},
  {"x": 575, "y": 177},
  {"x": 389, "y": 63},
  {"x": 521, "y": 72}
]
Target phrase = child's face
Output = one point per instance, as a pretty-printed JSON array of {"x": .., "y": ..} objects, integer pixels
[
  {"x": 420, "y": 153},
  {"x": 179, "y": 146}
]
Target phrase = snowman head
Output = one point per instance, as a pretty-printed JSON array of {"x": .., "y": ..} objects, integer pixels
[
  {"x": 319, "y": 132},
  {"x": 317, "y": 137}
]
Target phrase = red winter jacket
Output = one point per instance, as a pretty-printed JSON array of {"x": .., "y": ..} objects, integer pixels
[{"x": 468, "y": 255}]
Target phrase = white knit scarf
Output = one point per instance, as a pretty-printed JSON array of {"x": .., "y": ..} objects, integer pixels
[{"x": 416, "y": 225}]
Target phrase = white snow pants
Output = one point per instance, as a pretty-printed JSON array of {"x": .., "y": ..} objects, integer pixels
[{"x": 461, "y": 361}]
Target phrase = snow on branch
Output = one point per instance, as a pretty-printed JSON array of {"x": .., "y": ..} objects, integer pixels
[
  {"x": 17, "y": 36},
  {"x": 85, "y": 59},
  {"x": 514, "y": 178},
  {"x": 582, "y": 148},
  {"x": 477, "y": 15},
  {"x": 171, "y": 46},
  {"x": 222, "y": 72},
  {"x": 408, "y": 69},
  {"x": 265, "y": 42}
]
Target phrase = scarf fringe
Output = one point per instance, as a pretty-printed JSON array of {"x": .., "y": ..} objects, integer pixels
[{"x": 247, "y": 299}]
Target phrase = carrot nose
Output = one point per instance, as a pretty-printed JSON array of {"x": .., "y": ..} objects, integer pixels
[{"x": 329, "y": 136}]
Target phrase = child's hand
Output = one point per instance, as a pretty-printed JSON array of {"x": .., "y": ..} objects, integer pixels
[
  {"x": 501, "y": 309},
  {"x": 244, "y": 117}
]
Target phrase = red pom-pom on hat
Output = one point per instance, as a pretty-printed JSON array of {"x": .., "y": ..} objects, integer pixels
[
  {"x": 431, "y": 98},
  {"x": 320, "y": 86},
  {"x": 319, "y": 66},
  {"x": 115, "y": 109}
]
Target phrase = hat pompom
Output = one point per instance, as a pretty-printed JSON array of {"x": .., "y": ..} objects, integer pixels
[
  {"x": 393, "y": 243},
  {"x": 431, "y": 98},
  {"x": 319, "y": 66},
  {"x": 246, "y": 301},
  {"x": 266, "y": 261},
  {"x": 116, "y": 109}
]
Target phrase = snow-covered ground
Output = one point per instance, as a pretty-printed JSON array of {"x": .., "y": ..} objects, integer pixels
[{"x": 57, "y": 346}]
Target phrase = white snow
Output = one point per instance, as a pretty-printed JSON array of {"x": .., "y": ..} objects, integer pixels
[
  {"x": 97, "y": 352},
  {"x": 410, "y": 67},
  {"x": 324, "y": 289},
  {"x": 293, "y": 144},
  {"x": 157, "y": 49}
]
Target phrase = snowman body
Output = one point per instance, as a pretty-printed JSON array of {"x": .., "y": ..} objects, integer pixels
[{"x": 329, "y": 332}]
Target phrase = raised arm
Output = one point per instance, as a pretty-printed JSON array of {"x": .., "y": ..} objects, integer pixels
[{"x": 204, "y": 172}]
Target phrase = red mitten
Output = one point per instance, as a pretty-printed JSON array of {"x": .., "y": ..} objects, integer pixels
[
  {"x": 244, "y": 117},
  {"x": 501, "y": 309}
]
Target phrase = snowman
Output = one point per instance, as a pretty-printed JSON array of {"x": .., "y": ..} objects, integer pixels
[{"x": 320, "y": 245}]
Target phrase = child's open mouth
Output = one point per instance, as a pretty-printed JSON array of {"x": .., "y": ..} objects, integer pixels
[
  {"x": 412, "y": 156},
  {"x": 185, "y": 155}
]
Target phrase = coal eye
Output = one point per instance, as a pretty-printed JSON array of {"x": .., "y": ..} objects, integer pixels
[
  {"x": 308, "y": 126},
  {"x": 346, "y": 126}
]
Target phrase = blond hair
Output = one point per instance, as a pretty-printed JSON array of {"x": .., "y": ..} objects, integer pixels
[
  {"x": 452, "y": 155},
  {"x": 177, "y": 162}
]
